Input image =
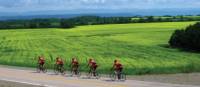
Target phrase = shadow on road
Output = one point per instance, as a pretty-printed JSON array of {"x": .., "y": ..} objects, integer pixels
[
  {"x": 52, "y": 74},
  {"x": 109, "y": 80},
  {"x": 34, "y": 72}
]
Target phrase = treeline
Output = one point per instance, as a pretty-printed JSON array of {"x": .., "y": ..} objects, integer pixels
[
  {"x": 89, "y": 20},
  {"x": 187, "y": 39},
  {"x": 94, "y": 20},
  {"x": 34, "y": 23},
  {"x": 166, "y": 18},
  {"x": 62, "y": 23}
]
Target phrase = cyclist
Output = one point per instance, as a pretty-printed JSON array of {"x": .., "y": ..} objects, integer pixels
[
  {"x": 118, "y": 67},
  {"x": 59, "y": 62},
  {"x": 41, "y": 61},
  {"x": 93, "y": 67},
  {"x": 74, "y": 65},
  {"x": 90, "y": 64}
]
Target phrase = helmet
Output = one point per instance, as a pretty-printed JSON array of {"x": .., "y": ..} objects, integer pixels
[
  {"x": 118, "y": 62},
  {"x": 90, "y": 59},
  {"x": 115, "y": 61}
]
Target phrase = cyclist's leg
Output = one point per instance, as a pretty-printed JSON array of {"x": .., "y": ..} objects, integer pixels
[
  {"x": 118, "y": 74},
  {"x": 119, "y": 71},
  {"x": 90, "y": 70},
  {"x": 56, "y": 66},
  {"x": 76, "y": 70},
  {"x": 62, "y": 68},
  {"x": 42, "y": 66},
  {"x": 59, "y": 67},
  {"x": 39, "y": 67},
  {"x": 73, "y": 69},
  {"x": 94, "y": 71}
]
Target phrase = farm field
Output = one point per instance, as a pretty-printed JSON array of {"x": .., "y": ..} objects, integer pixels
[{"x": 140, "y": 47}]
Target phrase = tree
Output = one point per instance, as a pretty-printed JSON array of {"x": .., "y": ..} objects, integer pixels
[
  {"x": 188, "y": 38},
  {"x": 150, "y": 18},
  {"x": 64, "y": 23}
]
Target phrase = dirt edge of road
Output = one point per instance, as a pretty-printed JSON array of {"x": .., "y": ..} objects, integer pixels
[
  {"x": 182, "y": 78},
  {"x": 4, "y": 83}
]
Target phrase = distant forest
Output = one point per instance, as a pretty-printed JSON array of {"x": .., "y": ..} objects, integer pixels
[{"x": 89, "y": 20}]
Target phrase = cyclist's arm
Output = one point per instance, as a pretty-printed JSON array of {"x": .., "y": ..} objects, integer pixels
[
  {"x": 88, "y": 64},
  {"x": 112, "y": 67},
  {"x": 38, "y": 62}
]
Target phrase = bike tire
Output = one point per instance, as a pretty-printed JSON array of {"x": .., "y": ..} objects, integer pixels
[
  {"x": 123, "y": 77},
  {"x": 63, "y": 71},
  {"x": 98, "y": 76},
  {"x": 44, "y": 70},
  {"x": 38, "y": 69},
  {"x": 113, "y": 76},
  {"x": 56, "y": 71},
  {"x": 78, "y": 73},
  {"x": 89, "y": 75},
  {"x": 71, "y": 73}
]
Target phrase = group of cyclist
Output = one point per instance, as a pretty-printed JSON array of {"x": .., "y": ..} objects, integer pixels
[{"x": 117, "y": 66}]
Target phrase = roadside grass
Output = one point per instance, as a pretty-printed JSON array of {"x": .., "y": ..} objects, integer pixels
[{"x": 140, "y": 47}]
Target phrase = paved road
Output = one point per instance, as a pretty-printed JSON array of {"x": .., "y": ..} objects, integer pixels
[{"x": 51, "y": 80}]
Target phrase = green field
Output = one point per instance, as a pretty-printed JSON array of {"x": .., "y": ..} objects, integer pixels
[{"x": 141, "y": 47}]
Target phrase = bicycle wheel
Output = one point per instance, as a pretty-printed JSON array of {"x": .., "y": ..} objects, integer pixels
[
  {"x": 72, "y": 72},
  {"x": 62, "y": 71},
  {"x": 123, "y": 77},
  {"x": 89, "y": 75},
  {"x": 44, "y": 70},
  {"x": 98, "y": 76},
  {"x": 78, "y": 73},
  {"x": 56, "y": 70},
  {"x": 38, "y": 69},
  {"x": 113, "y": 76}
]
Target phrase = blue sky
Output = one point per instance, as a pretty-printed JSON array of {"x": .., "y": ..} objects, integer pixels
[{"x": 42, "y": 5}]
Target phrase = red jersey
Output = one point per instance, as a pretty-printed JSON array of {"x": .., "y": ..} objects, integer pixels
[
  {"x": 41, "y": 61},
  {"x": 118, "y": 66},
  {"x": 94, "y": 64},
  {"x": 75, "y": 63},
  {"x": 59, "y": 62}
]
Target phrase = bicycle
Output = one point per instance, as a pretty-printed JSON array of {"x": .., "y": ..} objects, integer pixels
[
  {"x": 93, "y": 73},
  {"x": 41, "y": 68},
  {"x": 75, "y": 71},
  {"x": 59, "y": 69},
  {"x": 117, "y": 75}
]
